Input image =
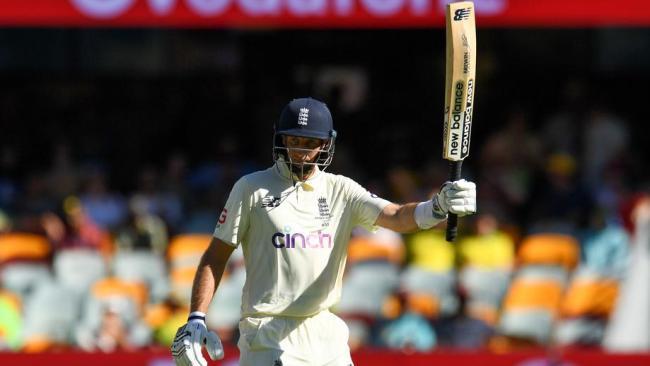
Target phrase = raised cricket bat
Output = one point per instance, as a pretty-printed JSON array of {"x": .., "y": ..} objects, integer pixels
[{"x": 459, "y": 92}]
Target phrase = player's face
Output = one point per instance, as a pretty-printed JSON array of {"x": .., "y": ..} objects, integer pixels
[{"x": 303, "y": 149}]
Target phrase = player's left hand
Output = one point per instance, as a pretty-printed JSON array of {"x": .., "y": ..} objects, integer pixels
[
  {"x": 189, "y": 340},
  {"x": 458, "y": 197}
]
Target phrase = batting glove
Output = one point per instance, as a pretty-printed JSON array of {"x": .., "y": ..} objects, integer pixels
[
  {"x": 458, "y": 197},
  {"x": 189, "y": 340}
]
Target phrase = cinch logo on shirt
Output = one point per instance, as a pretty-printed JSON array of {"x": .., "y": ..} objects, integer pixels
[{"x": 314, "y": 240}]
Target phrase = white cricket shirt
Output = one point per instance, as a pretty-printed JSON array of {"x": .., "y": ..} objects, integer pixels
[{"x": 294, "y": 236}]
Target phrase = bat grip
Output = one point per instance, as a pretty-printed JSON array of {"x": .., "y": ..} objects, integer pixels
[{"x": 452, "y": 219}]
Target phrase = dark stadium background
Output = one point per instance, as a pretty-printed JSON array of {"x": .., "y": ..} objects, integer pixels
[{"x": 125, "y": 99}]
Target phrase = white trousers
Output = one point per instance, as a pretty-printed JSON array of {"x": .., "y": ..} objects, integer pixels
[{"x": 318, "y": 340}]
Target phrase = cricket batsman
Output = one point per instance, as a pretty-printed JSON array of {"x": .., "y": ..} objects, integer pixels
[{"x": 293, "y": 221}]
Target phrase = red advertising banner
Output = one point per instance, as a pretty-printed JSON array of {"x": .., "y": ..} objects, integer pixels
[
  {"x": 317, "y": 13},
  {"x": 361, "y": 358}
]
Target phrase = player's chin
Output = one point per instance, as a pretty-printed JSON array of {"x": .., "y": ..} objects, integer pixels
[{"x": 304, "y": 169}]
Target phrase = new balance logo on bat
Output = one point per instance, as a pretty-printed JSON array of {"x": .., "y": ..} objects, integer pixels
[{"x": 462, "y": 14}]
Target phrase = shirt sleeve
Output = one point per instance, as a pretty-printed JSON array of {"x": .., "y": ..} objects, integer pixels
[
  {"x": 366, "y": 206},
  {"x": 232, "y": 224}
]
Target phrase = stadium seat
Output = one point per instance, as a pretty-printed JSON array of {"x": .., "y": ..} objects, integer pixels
[
  {"x": 586, "y": 307},
  {"x": 373, "y": 260},
  {"x": 484, "y": 289},
  {"x": 549, "y": 249},
  {"x": 486, "y": 264},
  {"x": 431, "y": 273},
  {"x": 50, "y": 314},
  {"x": 589, "y": 295},
  {"x": 532, "y": 303},
  {"x": 22, "y": 278},
  {"x": 143, "y": 266},
  {"x": 24, "y": 261},
  {"x": 375, "y": 280},
  {"x": 78, "y": 269},
  {"x": 225, "y": 309},
  {"x": 23, "y": 247},
  {"x": 128, "y": 299},
  {"x": 439, "y": 287},
  {"x": 184, "y": 254}
]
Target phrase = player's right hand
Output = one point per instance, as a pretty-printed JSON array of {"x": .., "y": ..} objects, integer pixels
[
  {"x": 190, "y": 338},
  {"x": 458, "y": 197}
]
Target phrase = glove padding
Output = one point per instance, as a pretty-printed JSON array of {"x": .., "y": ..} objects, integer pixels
[
  {"x": 186, "y": 348},
  {"x": 458, "y": 197}
]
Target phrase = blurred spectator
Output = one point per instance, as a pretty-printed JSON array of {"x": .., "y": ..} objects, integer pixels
[
  {"x": 5, "y": 222},
  {"x": 151, "y": 201},
  {"x": 105, "y": 208},
  {"x": 8, "y": 176},
  {"x": 71, "y": 227},
  {"x": 559, "y": 202},
  {"x": 403, "y": 185},
  {"x": 174, "y": 189},
  {"x": 561, "y": 131},
  {"x": 605, "y": 246},
  {"x": 509, "y": 159},
  {"x": 606, "y": 139},
  {"x": 143, "y": 229},
  {"x": 114, "y": 331},
  {"x": 63, "y": 176},
  {"x": 35, "y": 200},
  {"x": 464, "y": 330},
  {"x": 410, "y": 332}
]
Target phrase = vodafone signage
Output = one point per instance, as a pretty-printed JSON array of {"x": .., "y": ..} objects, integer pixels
[{"x": 317, "y": 13}]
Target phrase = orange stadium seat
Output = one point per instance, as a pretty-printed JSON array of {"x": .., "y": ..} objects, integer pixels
[
  {"x": 23, "y": 246},
  {"x": 363, "y": 248},
  {"x": 532, "y": 303},
  {"x": 187, "y": 247},
  {"x": 590, "y": 297},
  {"x": 549, "y": 249},
  {"x": 114, "y": 287},
  {"x": 586, "y": 306},
  {"x": 184, "y": 254}
]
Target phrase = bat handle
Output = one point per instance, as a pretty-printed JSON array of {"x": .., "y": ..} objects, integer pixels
[{"x": 452, "y": 219}]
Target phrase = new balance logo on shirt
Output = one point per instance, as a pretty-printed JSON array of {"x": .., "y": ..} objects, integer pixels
[{"x": 270, "y": 201}]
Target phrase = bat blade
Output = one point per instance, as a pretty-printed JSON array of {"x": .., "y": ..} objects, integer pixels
[{"x": 459, "y": 91}]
